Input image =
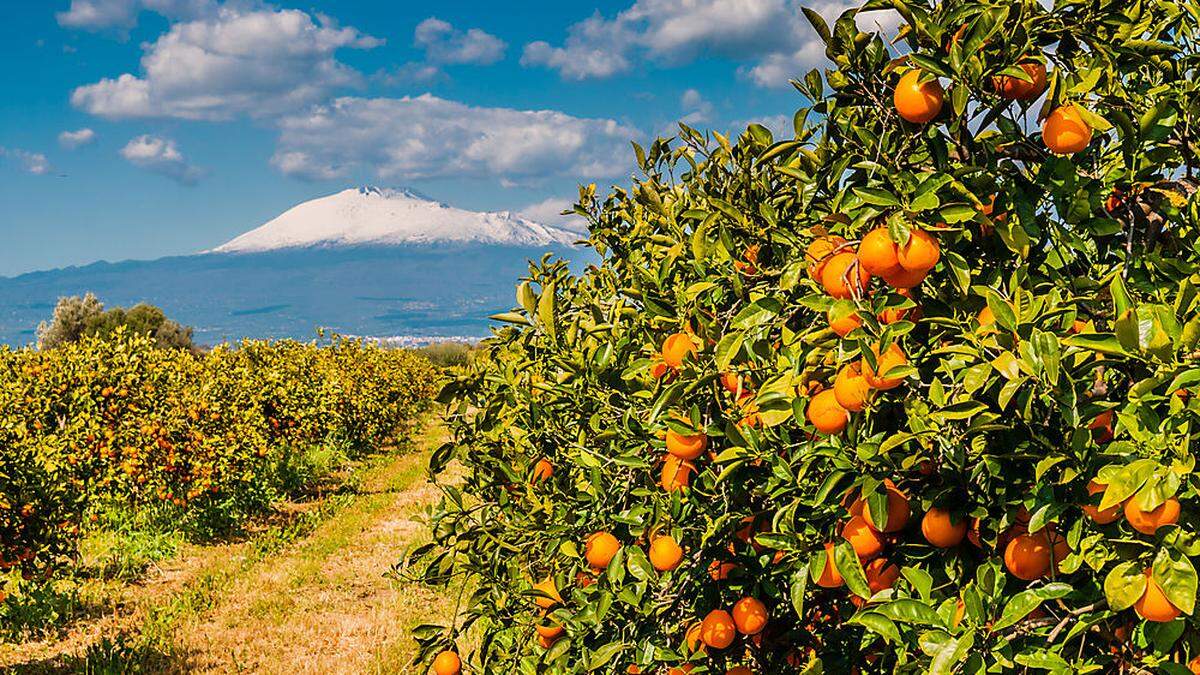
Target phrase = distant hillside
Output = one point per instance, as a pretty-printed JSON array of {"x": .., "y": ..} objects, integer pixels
[{"x": 436, "y": 289}]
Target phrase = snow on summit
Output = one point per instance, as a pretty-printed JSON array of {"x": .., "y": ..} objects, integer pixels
[{"x": 369, "y": 215}]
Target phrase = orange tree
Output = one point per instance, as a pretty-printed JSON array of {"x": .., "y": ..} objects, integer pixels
[{"x": 911, "y": 391}]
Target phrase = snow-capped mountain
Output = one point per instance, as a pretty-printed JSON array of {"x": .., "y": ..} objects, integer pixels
[{"x": 391, "y": 217}]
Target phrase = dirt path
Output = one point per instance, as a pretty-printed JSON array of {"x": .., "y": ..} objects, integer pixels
[{"x": 306, "y": 595}]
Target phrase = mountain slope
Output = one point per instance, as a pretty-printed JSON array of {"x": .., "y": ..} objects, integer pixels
[{"x": 375, "y": 216}]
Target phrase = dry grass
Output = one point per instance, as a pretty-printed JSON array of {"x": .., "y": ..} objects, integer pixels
[{"x": 318, "y": 604}]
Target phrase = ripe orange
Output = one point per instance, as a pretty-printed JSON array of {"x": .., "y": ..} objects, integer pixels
[
  {"x": 681, "y": 670},
  {"x": 719, "y": 571},
  {"x": 676, "y": 473},
  {"x": 548, "y": 588},
  {"x": 600, "y": 549},
  {"x": 920, "y": 253},
  {"x": 941, "y": 530},
  {"x": 863, "y": 537},
  {"x": 542, "y": 470},
  {"x": 1065, "y": 132},
  {"x": 735, "y": 384},
  {"x": 551, "y": 631},
  {"x": 750, "y": 616},
  {"x": 987, "y": 320},
  {"x": 877, "y": 252},
  {"x": 916, "y": 101},
  {"x": 545, "y": 642},
  {"x": 1154, "y": 605},
  {"x": 905, "y": 279},
  {"x": 893, "y": 358},
  {"x": 851, "y": 389},
  {"x": 718, "y": 630},
  {"x": 1194, "y": 665},
  {"x": 659, "y": 370},
  {"x": 447, "y": 663},
  {"x": 739, "y": 670},
  {"x": 843, "y": 277},
  {"x": 686, "y": 447},
  {"x": 1016, "y": 89},
  {"x": 1148, "y": 522},
  {"x": 897, "y": 508},
  {"x": 881, "y": 574},
  {"x": 893, "y": 314},
  {"x": 843, "y": 318},
  {"x": 826, "y": 414},
  {"x": 830, "y": 577},
  {"x": 1027, "y": 556},
  {"x": 665, "y": 553},
  {"x": 1106, "y": 516},
  {"x": 819, "y": 252},
  {"x": 676, "y": 348}
]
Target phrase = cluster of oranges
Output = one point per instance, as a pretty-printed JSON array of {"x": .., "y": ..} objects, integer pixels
[
  {"x": 868, "y": 539},
  {"x": 919, "y": 98}
]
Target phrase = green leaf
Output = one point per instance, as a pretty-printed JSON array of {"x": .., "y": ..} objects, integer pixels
[
  {"x": 1177, "y": 576},
  {"x": 877, "y": 197},
  {"x": 796, "y": 589},
  {"x": 847, "y": 563},
  {"x": 1124, "y": 586}
]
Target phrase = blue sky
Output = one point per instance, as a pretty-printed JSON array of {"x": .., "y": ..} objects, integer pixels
[{"x": 143, "y": 128}]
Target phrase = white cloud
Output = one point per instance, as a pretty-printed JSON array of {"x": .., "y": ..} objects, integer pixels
[
  {"x": 32, "y": 162},
  {"x": 550, "y": 212},
  {"x": 772, "y": 33},
  {"x": 122, "y": 14},
  {"x": 781, "y": 126},
  {"x": 445, "y": 44},
  {"x": 696, "y": 108},
  {"x": 76, "y": 139},
  {"x": 161, "y": 156},
  {"x": 256, "y": 63},
  {"x": 429, "y": 137}
]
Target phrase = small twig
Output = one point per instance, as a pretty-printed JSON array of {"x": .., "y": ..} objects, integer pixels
[{"x": 1073, "y": 613}]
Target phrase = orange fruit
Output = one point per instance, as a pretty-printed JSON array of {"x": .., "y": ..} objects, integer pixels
[
  {"x": 676, "y": 348},
  {"x": 1154, "y": 605},
  {"x": 750, "y": 616},
  {"x": 447, "y": 663},
  {"x": 819, "y": 252},
  {"x": 1148, "y": 522},
  {"x": 893, "y": 314},
  {"x": 659, "y": 370},
  {"x": 843, "y": 277},
  {"x": 897, "y": 508},
  {"x": 681, "y": 670},
  {"x": 881, "y": 574},
  {"x": 863, "y": 537},
  {"x": 1065, "y": 132},
  {"x": 1194, "y": 665},
  {"x": 851, "y": 389},
  {"x": 892, "y": 358},
  {"x": 735, "y": 384},
  {"x": 545, "y": 642},
  {"x": 960, "y": 609},
  {"x": 986, "y": 319},
  {"x": 600, "y": 549},
  {"x": 665, "y": 553},
  {"x": 830, "y": 577},
  {"x": 1027, "y": 556},
  {"x": 739, "y": 670},
  {"x": 547, "y": 587},
  {"x": 941, "y": 530},
  {"x": 542, "y": 470},
  {"x": 1016, "y": 89},
  {"x": 826, "y": 414},
  {"x": 718, "y": 630},
  {"x": 877, "y": 252},
  {"x": 719, "y": 571},
  {"x": 676, "y": 473},
  {"x": 905, "y": 279},
  {"x": 550, "y": 631},
  {"x": 916, "y": 101},
  {"x": 843, "y": 318},
  {"x": 1106, "y": 516},
  {"x": 1101, "y": 421},
  {"x": 920, "y": 253},
  {"x": 688, "y": 446}
]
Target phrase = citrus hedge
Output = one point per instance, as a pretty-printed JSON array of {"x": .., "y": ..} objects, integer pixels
[
  {"x": 911, "y": 391},
  {"x": 206, "y": 440}
]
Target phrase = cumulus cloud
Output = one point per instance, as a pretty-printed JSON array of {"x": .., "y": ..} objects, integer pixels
[
  {"x": 772, "y": 33},
  {"x": 443, "y": 43},
  {"x": 257, "y": 63},
  {"x": 430, "y": 137},
  {"x": 550, "y": 212},
  {"x": 696, "y": 108},
  {"x": 161, "y": 156},
  {"x": 76, "y": 139},
  {"x": 33, "y": 162},
  {"x": 97, "y": 15}
]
